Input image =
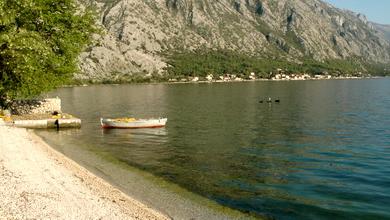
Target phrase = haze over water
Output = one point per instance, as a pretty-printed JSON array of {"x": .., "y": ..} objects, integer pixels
[{"x": 323, "y": 152}]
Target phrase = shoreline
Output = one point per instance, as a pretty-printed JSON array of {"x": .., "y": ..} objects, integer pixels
[
  {"x": 219, "y": 81},
  {"x": 167, "y": 197},
  {"x": 40, "y": 182}
]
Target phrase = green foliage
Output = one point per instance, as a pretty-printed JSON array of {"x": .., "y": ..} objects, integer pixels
[
  {"x": 40, "y": 41},
  {"x": 333, "y": 66},
  {"x": 380, "y": 69},
  {"x": 121, "y": 78},
  {"x": 202, "y": 63}
]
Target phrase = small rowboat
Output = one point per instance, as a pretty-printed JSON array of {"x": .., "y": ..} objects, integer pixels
[{"x": 133, "y": 123}]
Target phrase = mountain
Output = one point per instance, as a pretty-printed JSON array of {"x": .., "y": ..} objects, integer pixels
[
  {"x": 384, "y": 29},
  {"x": 137, "y": 33}
]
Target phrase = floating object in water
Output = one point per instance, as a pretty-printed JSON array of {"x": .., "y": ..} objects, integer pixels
[
  {"x": 133, "y": 123},
  {"x": 269, "y": 100}
]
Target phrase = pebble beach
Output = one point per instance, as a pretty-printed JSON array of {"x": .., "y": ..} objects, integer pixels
[{"x": 38, "y": 182}]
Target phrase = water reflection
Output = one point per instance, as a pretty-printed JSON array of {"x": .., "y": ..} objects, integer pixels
[{"x": 144, "y": 132}]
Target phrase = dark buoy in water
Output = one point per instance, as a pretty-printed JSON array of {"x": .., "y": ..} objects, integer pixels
[{"x": 269, "y": 100}]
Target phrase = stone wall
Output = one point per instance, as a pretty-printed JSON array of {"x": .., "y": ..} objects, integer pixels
[{"x": 43, "y": 106}]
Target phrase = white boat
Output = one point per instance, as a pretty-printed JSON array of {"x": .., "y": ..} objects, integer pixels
[{"x": 133, "y": 123}]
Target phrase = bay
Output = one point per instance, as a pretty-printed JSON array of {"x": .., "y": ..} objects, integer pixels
[{"x": 322, "y": 152}]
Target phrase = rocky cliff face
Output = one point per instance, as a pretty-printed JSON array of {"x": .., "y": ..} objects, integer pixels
[{"x": 138, "y": 32}]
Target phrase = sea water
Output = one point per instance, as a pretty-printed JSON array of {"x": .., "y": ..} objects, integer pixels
[{"x": 322, "y": 152}]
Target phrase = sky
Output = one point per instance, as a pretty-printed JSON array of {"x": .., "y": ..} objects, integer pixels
[{"x": 376, "y": 10}]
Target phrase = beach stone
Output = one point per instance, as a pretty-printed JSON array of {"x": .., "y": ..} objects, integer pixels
[{"x": 43, "y": 106}]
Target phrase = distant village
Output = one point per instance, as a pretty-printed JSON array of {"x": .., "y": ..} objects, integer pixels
[{"x": 280, "y": 75}]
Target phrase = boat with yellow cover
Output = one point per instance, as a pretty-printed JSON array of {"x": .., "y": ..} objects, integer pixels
[{"x": 133, "y": 123}]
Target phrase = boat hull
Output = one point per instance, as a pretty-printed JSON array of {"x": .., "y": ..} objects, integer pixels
[{"x": 140, "y": 123}]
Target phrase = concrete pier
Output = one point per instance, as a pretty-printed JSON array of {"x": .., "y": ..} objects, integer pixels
[{"x": 48, "y": 123}]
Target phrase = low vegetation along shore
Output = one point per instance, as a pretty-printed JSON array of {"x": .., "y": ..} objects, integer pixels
[
  {"x": 281, "y": 75},
  {"x": 217, "y": 66},
  {"x": 38, "y": 182}
]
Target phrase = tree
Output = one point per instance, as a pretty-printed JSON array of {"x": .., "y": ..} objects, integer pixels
[{"x": 40, "y": 41}]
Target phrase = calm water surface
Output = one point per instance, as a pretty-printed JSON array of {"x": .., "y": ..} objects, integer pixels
[{"x": 323, "y": 152}]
